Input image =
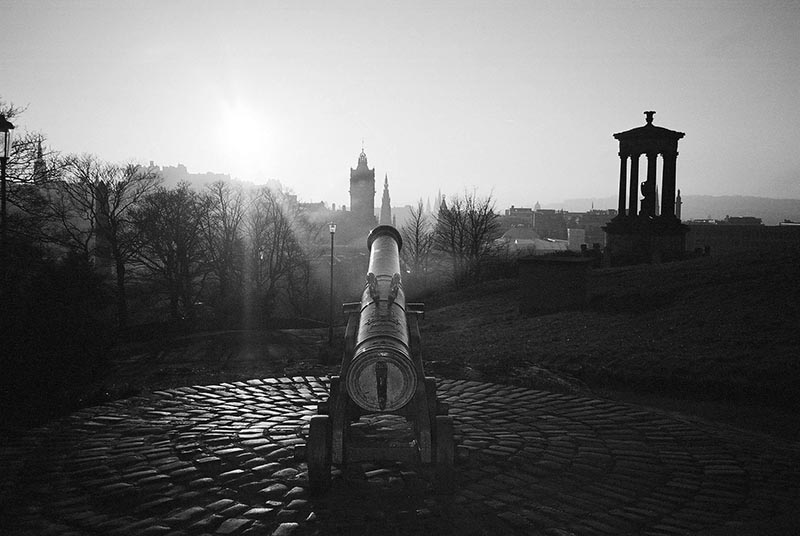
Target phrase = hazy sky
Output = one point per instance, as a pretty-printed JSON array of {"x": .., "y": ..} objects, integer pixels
[{"x": 515, "y": 98}]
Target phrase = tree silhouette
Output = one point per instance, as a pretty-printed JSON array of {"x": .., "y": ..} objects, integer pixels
[
  {"x": 89, "y": 210},
  {"x": 418, "y": 239},
  {"x": 464, "y": 233},
  {"x": 169, "y": 225},
  {"x": 222, "y": 227},
  {"x": 275, "y": 258}
]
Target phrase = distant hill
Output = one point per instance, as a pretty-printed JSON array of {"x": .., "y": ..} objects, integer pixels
[{"x": 771, "y": 211}]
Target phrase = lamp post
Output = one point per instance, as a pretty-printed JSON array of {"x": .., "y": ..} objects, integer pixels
[
  {"x": 260, "y": 264},
  {"x": 332, "y": 228},
  {"x": 5, "y": 131}
]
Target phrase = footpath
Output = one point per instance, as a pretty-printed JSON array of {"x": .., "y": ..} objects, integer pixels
[{"x": 223, "y": 460}]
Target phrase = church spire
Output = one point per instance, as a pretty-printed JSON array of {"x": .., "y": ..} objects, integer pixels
[
  {"x": 39, "y": 166},
  {"x": 386, "y": 204}
]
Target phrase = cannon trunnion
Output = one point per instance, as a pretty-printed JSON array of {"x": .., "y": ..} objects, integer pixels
[{"x": 381, "y": 373}]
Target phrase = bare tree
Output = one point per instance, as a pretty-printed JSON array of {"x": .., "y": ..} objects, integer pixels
[
  {"x": 89, "y": 210},
  {"x": 464, "y": 233},
  {"x": 222, "y": 234},
  {"x": 418, "y": 238},
  {"x": 169, "y": 223},
  {"x": 482, "y": 230},
  {"x": 275, "y": 258},
  {"x": 312, "y": 238},
  {"x": 119, "y": 193},
  {"x": 9, "y": 109},
  {"x": 73, "y": 204},
  {"x": 450, "y": 236}
]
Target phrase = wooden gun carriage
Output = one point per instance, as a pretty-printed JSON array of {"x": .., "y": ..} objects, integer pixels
[{"x": 381, "y": 373}]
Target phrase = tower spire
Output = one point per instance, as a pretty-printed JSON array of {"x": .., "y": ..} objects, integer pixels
[
  {"x": 386, "y": 204},
  {"x": 39, "y": 166}
]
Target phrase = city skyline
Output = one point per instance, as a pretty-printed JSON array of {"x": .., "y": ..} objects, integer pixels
[{"x": 518, "y": 100}]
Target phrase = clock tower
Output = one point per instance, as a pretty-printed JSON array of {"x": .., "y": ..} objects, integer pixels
[{"x": 362, "y": 192}]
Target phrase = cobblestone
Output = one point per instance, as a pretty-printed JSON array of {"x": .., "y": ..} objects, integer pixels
[{"x": 220, "y": 459}]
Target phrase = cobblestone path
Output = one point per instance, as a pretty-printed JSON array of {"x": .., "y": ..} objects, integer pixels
[{"x": 221, "y": 460}]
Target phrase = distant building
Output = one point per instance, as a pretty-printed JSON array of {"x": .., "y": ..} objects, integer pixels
[
  {"x": 550, "y": 223},
  {"x": 741, "y": 220},
  {"x": 515, "y": 217},
  {"x": 576, "y": 238},
  {"x": 524, "y": 241},
  {"x": 311, "y": 208},
  {"x": 362, "y": 194},
  {"x": 591, "y": 223},
  {"x": 559, "y": 225},
  {"x": 402, "y": 215},
  {"x": 173, "y": 175},
  {"x": 519, "y": 212},
  {"x": 740, "y": 234},
  {"x": 354, "y": 225}
]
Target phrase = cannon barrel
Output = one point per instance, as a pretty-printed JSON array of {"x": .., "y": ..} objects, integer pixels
[
  {"x": 381, "y": 372},
  {"x": 381, "y": 376}
]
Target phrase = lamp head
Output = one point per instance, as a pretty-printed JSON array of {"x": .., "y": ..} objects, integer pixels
[{"x": 5, "y": 131}]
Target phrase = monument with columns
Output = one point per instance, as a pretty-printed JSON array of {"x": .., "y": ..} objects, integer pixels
[{"x": 646, "y": 231}]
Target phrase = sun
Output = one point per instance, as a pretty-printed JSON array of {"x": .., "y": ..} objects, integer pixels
[{"x": 245, "y": 138}]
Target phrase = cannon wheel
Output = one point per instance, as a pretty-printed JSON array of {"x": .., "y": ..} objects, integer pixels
[
  {"x": 445, "y": 454},
  {"x": 319, "y": 453}
]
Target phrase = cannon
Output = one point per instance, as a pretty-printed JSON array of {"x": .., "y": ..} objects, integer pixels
[{"x": 381, "y": 373}]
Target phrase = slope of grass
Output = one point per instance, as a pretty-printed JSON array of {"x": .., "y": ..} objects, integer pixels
[
  {"x": 720, "y": 329},
  {"x": 717, "y": 337}
]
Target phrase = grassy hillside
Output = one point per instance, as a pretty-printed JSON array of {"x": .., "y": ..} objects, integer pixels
[
  {"x": 714, "y": 337},
  {"x": 719, "y": 329}
]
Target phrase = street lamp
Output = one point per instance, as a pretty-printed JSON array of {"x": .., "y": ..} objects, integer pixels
[
  {"x": 332, "y": 228},
  {"x": 5, "y": 131}
]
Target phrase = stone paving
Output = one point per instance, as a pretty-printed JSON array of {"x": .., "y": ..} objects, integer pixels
[{"x": 221, "y": 460}]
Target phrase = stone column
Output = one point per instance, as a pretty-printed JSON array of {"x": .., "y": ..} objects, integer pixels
[
  {"x": 668, "y": 185},
  {"x": 623, "y": 182},
  {"x": 649, "y": 187},
  {"x": 633, "y": 198}
]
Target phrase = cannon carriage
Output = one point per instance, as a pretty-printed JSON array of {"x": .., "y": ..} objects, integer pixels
[{"x": 381, "y": 373}]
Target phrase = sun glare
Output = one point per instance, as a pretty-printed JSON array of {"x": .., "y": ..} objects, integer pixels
[{"x": 245, "y": 138}]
